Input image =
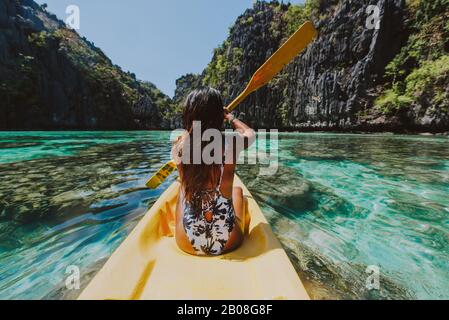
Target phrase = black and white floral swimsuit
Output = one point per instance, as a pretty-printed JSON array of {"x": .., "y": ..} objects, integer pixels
[{"x": 209, "y": 224}]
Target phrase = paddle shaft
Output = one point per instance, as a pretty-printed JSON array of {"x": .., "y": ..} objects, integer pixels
[
  {"x": 286, "y": 53},
  {"x": 238, "y": 100}
]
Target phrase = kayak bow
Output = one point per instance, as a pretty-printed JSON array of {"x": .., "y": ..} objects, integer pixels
[{"x": 149, "y": 265}]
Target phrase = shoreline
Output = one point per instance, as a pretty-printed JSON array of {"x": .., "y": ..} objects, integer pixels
[{"x": 283, "y": 130}]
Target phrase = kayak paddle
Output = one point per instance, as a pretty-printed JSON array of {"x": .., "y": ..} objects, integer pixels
[
  {"x": 289, "y": 50},
  {"x": 162, "y": 174}
]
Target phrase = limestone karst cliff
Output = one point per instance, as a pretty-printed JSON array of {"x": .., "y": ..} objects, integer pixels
[
  {"x": 352, "y": 78},
  {"x": 51, "y": 78},
  {"x": 394, "y": 77}
]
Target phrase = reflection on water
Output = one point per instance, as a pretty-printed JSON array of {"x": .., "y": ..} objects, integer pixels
[{"x": 338, "y": 203}]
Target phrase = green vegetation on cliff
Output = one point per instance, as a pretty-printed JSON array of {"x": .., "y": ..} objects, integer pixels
[
  {"x": 352, "y": 77},
  {"x": 51, "y": 78},
  {"x": 419, "y": 74},
  {"x": 227, "y": 58}
]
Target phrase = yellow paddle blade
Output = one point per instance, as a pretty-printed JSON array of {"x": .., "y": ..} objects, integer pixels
[
  {"x": 162, "y": 174},
  {"x": 289, "y": 50}
]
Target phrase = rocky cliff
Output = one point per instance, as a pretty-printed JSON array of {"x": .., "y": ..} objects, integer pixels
[
  {"x": 394, "y": 77},
  {"x": 51, "y": 78},
  {"x": 353, "y": 77}
]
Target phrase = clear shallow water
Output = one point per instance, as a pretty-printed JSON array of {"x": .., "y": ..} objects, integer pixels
[{"x": 338, "y": 203}]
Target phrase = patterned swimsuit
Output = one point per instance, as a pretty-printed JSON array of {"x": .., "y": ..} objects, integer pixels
[{"x": 209, "y": 223}]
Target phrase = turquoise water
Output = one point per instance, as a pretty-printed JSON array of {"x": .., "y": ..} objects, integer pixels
[{"x": 338, "y": 203}]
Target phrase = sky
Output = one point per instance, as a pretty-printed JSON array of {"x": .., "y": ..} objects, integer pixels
[{"x": 158, "y": 40}]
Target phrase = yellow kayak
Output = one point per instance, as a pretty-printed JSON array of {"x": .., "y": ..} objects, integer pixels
[{"x": 149, "y": 265}]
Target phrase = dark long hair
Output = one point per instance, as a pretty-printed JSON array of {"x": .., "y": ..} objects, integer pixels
[{"x": 205, "y": 105}]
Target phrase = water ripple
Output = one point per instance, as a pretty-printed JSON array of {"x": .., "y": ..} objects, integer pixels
[{"x": 338, "y": 203}]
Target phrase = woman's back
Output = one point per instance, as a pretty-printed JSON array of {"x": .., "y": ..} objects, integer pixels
[
  {"x": 209, "y": 215},
  {"x": 209, "y": 221}
]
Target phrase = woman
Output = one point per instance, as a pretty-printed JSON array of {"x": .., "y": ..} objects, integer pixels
[{"x": 210, "y": 218}]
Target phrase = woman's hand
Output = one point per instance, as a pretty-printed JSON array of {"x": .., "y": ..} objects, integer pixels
[
  {"x": 228, "y": 116},
  {"x": 244, "y": 130}
]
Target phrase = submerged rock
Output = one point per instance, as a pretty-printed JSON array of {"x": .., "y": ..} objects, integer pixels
[{"x": 285, "y": 189}]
